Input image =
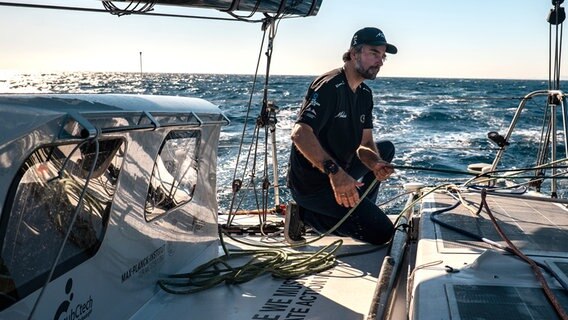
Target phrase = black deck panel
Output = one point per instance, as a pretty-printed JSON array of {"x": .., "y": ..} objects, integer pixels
[{"x": 533, "y": 226}]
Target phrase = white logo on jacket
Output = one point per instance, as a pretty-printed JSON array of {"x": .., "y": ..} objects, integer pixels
[
  {"x": 314, "y": 100},
  {"x": 310, "y": 112},
  {"x": 341, "y": 115}
]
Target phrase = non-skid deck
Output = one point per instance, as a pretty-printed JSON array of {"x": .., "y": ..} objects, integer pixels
[
  {"x": 535, "y": 227},
  {"x": 344, "y": 292},
  {"x": 457, "y": 277}
]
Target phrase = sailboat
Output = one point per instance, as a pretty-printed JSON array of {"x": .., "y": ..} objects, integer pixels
[{"x": 109, "y": 211}]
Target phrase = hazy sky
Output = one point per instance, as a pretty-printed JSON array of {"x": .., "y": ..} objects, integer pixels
[{"x": 439, "y": 38}]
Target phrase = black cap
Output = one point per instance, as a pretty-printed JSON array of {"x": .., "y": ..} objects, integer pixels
[{"x": 374, "y": 37}]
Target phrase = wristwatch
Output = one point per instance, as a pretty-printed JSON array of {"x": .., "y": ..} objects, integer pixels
[{"x": 329, "y": 166}]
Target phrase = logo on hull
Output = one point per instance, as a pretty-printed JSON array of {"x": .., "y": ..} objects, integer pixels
[{"x": 80, "y": 311}]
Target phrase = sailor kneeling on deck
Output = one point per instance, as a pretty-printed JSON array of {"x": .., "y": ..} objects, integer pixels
[{"x": 334, "y": 157}]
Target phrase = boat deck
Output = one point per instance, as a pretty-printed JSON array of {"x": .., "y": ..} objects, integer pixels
[
  {"x": 538, "y": 228},
  {"x": 450, "y": 276},
  {"x": 457, "y": 277},
  {"x": 344, "y": 292}
]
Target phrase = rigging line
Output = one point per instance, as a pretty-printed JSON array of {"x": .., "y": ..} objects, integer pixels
[
  {"x": 264, "y": 189},
  {"x": 544, "y": 132},
  {"x": 539, "y": 177},
  {"x": 262, "y": 121},
  {"x": 480, "y": 238},
  {"x": 264, "y": 211},
  {"x": 71, "y": 223},
  {"x": 557, "y": 61},
  {"x": 544, "y": 166},
  {"x": 272, "y": 25},
  {"x": 410, "y": 148},
  {"x": 533, "y": 179},
  {"x": 556, "y": 20},
  {"x": 555, "y": 66},
  {"x": 167, "y": 15},
  {"x": 251, "y": 181},
  {"x": 518, "y": 189},
  {"x": 279, "y": 17},
  {"x": 461, "y": 99},
  {"x": 449, "y": 148},
  {"x": 253, "y": 169},
  {"x": 249, "y": 106},
  {"x": 526, "y": 197},
  {"x": 234, "y": 6},
  {"x": 436, "y": 170},
  {"x": 560, "y": 54},
  {"x": 419, "y": 198},
  {"x": 393, "y": 198},
  {"x": 557, "y": 13},
  {"x": 252, "y": 154},
  {"x": 265, "y": 113},
  {"x": 130, "y": 8},
  {"x": 233, "y": 213},
  {"x": 265, "y": 182},
  {"x": 549, "y": 56},
  {"x": 548, "y": 165},
  {"x": 468, "y": 204},
  {"x": 551, "y": 68},
  {"x": 538, "y": 273}
]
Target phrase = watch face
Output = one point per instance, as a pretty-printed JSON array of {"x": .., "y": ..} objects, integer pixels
[{"x": 330, "y": 167}]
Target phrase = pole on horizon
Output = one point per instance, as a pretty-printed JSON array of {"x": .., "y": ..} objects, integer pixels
[{"x": 141, "y": 63}]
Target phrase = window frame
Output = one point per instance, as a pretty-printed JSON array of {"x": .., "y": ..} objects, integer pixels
[
  {"x": 36, "y": 281},
  {"x": 191, "y": 133}
]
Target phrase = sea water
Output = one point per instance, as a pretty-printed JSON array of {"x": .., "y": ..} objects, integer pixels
[{"x": 434, "y": 123}]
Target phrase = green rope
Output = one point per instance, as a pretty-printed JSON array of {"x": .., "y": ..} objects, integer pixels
[
  {"x": 280, "y": 263},
  {"x": 278, "y": 260}
]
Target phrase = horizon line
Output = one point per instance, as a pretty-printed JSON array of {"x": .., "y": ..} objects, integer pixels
[{"x": 13, "y": 72}]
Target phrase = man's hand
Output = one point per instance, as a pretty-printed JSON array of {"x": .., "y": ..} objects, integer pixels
[
  {"x": 345, "y": 188},
  {"x": 382, "y": 170}
]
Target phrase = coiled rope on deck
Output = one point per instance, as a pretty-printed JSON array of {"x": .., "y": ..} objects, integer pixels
[{"x": 278, "y": 260}]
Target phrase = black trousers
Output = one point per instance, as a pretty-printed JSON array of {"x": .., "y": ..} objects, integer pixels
[{"x": 367, "y": 222}]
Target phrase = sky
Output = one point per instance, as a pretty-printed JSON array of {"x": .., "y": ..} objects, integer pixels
[{"x": 506, "y": 39}]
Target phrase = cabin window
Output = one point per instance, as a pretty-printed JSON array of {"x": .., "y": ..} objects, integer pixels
[
  {"x": 40, "y": 207},
  {"x": 174, "y": 176}
]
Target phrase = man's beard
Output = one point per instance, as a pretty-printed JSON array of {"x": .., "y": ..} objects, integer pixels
[{"x": 368, "y": 73}]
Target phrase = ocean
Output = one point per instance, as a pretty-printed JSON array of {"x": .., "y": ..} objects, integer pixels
[{"x": 434, "y": 123}]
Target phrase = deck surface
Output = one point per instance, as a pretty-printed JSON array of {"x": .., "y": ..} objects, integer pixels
[
  {"x": 344, "y": 292},
  {"x": 533, "y": 226},
  {"x": 480, "y": 281}
]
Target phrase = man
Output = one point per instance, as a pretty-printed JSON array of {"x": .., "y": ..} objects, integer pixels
[{"x": 334, "y": 157}]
